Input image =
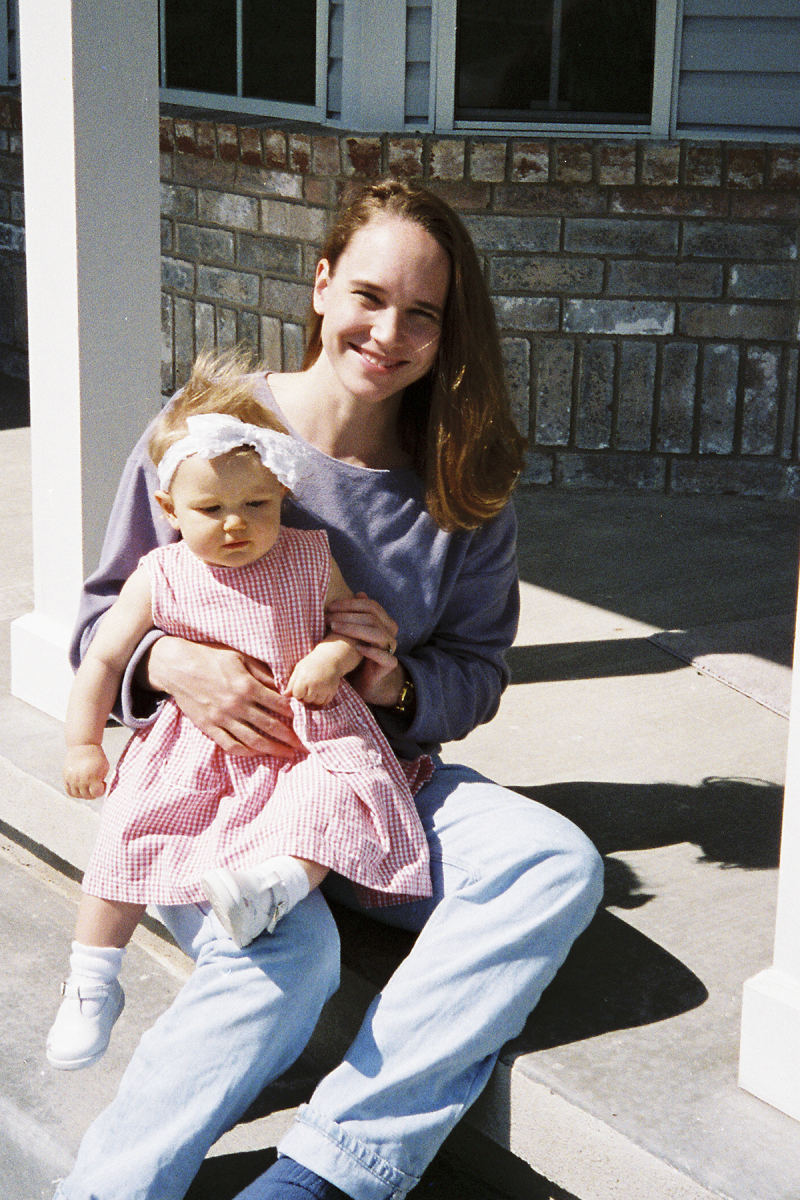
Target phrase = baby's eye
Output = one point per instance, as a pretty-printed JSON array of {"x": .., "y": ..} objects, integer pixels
[
  {"x": 210, "y": 509},
  {"x": 256, "y": 503}
]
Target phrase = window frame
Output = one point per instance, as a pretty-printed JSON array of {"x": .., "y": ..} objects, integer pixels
[
  {"x": 9, "y": 47},
  {"x": 662, "y": 114},
  {"x": 249, "y": 105}
]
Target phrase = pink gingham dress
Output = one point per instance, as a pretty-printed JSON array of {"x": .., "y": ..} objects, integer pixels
[{"x": 178, "y": 805}]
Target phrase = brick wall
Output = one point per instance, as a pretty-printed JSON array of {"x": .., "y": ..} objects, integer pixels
[
  {"x": 13, "y": 310},
  {"x": 647, "y": 292}
]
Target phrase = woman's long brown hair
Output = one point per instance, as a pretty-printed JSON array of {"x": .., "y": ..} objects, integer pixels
[{"x": 456, "y": 421}]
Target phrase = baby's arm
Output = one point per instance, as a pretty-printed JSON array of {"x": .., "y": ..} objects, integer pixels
[
  {"x": 96, "y": 684},
  {"x": 316, "y": 678}
]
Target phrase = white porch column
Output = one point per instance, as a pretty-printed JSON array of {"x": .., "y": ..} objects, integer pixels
[
  {"x": 89, "y": 72},
  {"x": 769, "y": 1062}
]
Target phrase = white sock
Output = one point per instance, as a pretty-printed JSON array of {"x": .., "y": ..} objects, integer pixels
[
  {"x": 93, "y": 965},
  {"x": 289, "y": 871}
]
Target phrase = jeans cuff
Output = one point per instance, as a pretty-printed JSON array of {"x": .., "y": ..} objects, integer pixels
[{"x": 320, "y": 1145}]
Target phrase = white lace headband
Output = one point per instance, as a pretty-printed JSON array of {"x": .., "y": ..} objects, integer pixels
[{"x": 213, "y": 434}]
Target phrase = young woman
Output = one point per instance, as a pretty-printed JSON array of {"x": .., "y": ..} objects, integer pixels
[{"x": 402, "y": 406}]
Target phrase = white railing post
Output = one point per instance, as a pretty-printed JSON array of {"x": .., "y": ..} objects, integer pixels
[
  {"x": 89, "y": 71},
  {"x": 769, "y": 1061}
]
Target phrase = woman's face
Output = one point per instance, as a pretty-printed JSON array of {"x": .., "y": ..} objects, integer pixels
[{"x": 382, "y": 307}]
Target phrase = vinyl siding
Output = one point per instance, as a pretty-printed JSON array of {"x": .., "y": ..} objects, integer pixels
[{"x": 740, "y": 72}]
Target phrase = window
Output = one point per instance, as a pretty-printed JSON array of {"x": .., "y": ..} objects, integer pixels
[
  {"x": 247, "y": 55},
  {"x": 9, "y": 47},
  {"x": 555, "y": 60},
  {"x": 599, "y": 66}
]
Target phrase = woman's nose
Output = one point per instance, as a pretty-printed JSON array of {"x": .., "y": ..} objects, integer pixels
[{"x": 386, "y": 327}]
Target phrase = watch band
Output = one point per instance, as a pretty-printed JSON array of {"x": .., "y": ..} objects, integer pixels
[{"x": 407, "y": 699}]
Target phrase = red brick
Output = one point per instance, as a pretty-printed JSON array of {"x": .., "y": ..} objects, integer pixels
[
  {"x": 319, "y": 192},
  {"x": 300, "y": 152},
  {"x": 206, "y": 139},
  {"x": 228, "y": 142},
  {"x": 530, "y": 162},
  {"x": 250, "y": 150},
  {"x": 405, "y": 157},
  {"x": 784, "y": 169},
  {"x": 573, "y": 162},
  {"x": 275, "y": 154},
  {"x": 166, "y": 131},
  {"x": 362, "y": 156},
  {"x": 670, "y": 202},
  {"x": 767, "y": 205},
  {"x": 325, "y": 157},
  {"x": 447, "y": 159},
  {"x": 661, "y": 163},
  {"x": 549, "y": 199},
  {"x": 462, "y": 195},
  {"x": 703, "y": 165},
  {"x": 746, "y": 166},
  {"x": 616, "y": 163},
  {"x": 487, "y": 162},
  {"x": 185, "y": 140}
]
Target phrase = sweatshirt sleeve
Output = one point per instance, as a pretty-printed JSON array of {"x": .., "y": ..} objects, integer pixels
[
  {"x": 460, "y": 673},
  {"x": 135, "y": 527}
]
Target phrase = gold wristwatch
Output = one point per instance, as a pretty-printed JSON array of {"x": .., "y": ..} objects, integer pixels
[{"x": 407, "y": 700}]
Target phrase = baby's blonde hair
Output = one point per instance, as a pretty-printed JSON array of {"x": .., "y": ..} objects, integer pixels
[{"x": 219, "y": 383}]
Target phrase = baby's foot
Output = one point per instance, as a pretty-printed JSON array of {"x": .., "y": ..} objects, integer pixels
[
  {"x": 82, "y": 1028},
  {"x": 246, "y": 903}
]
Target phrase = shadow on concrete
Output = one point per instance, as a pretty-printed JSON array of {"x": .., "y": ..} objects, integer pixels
[
  {"x": 604, "y": 659},
  {"x": 733, "y": 822},
  {"x": 664, "y": 560},
  {"x": 15, "y": 411},
  {"x": 614, "y": 978}
]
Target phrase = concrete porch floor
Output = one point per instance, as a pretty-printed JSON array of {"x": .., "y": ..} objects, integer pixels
[{"x": 623, "y": 1085}]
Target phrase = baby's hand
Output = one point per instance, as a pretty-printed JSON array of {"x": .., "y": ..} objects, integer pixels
[
  {"x": 313, "y": 681},
  {"x": 85, "y": 770}
]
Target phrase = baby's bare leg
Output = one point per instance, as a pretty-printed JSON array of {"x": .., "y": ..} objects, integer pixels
[
  {"x": 314, "y": 871},
  {"x": 106, "y": 922}
]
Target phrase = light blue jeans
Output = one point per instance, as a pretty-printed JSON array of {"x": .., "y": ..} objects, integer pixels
[{"x": 514, "y": 885}]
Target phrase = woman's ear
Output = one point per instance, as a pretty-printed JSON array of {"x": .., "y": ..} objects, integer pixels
[
  {"x": 321, "y": 280},
  {"x": 167, "y": 507}
]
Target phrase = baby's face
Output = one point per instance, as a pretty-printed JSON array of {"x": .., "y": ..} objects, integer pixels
[{"x": 227, "y": 509}]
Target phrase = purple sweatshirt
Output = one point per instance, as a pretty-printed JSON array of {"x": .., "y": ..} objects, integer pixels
[{"x": 454, "y": 596}]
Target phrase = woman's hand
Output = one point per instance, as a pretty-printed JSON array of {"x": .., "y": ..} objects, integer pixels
[
  {"x": 229, "y": 696},
  {"x": 379, "y": 678}
]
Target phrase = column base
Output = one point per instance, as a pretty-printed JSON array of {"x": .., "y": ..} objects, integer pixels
[
  {"x": 40, "y": 670},
  {"x": 769, "y": 1060}
]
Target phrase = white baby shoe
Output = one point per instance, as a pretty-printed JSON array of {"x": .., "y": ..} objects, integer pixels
[
  {"x": 246, "y": 903},
  {"x": 82, "y": 1028}
]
